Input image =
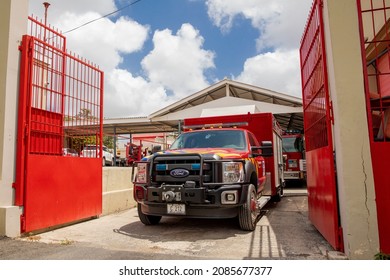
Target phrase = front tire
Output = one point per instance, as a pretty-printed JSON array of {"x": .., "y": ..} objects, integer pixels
[
  {"x": 147, "y": 219},
  {"x": 248, "y": 213}
]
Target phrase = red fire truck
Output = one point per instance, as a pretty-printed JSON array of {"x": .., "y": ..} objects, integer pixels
[
  {"x": 219, "y": 167},
  {"x": 133, "y": 153},
  {"x": 294, "y": 156}
]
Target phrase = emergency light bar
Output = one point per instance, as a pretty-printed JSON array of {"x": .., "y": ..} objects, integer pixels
[{"x": 216, "y": 125}]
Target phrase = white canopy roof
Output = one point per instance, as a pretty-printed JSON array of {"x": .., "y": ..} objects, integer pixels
[{"x": 226, "y": 97}]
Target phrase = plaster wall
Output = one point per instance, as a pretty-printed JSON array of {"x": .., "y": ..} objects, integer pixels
[
  {"x": 356, "y": 191},
  {"x": 13, "y": 24}
]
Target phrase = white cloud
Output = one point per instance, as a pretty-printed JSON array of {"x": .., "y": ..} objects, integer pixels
[
  {"x": 280, "y": 24},
  {"x": 278, "y": 21},
  {"x": 132, "y": 96},
  {"x": 224, "y": 12},
  {"x": 104, "y": 42},
  {"x": 278, "y": 71},
  {"x": 178, "y": 61}
]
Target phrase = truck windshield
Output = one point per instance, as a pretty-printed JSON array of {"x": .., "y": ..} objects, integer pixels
[
  {"x": 234, "y": 139},
  {"x": 292, "y": 144}
]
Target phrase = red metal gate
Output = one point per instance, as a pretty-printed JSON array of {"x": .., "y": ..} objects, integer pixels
[
  {"x": 374, "y": 24},
  {"x": 60, "y": 104},
  {"x": 321, "y": 177}
]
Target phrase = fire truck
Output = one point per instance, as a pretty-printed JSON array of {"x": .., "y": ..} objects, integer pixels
[
  {"x": 133, "y": 153},
  {"x": 219, "y": 167},
  {"x": 294, "y": 156}
]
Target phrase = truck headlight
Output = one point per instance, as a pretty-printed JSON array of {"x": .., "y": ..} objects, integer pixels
[
  {"x": 142, "y": 173},
  {"x": 232, "y": 172}
]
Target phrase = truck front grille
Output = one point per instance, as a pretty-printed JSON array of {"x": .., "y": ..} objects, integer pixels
[{"x": 181, "y": 168}]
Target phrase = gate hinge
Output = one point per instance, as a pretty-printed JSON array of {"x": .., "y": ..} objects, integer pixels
[{"x": 29, "y": 45}]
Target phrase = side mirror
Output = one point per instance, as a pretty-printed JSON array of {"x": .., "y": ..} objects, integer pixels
[{"x": 266, "y": 149}]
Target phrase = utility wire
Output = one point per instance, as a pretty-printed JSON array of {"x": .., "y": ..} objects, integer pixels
[{"x": 107, "y": 15}]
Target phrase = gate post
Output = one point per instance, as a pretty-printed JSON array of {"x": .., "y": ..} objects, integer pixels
[
  {"x": 13, "y": 14},
  {"x": 356, "y": 191}
]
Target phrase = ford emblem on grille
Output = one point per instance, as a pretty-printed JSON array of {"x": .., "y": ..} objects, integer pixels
[{"x": 179, "y": 173}]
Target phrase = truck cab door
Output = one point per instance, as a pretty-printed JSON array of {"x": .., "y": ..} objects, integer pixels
[{"x": 260, "y": 164}]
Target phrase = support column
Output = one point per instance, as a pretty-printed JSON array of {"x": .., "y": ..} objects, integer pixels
[
  {"x": 13, "y": 24},
  {"x": 115, "y": 139},
  {"x": 351, "y": 139}
]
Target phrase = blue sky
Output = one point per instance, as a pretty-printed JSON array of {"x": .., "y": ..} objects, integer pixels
[
  {"x": 231, "y": 52},
  {"x": 156, "y": 52}
]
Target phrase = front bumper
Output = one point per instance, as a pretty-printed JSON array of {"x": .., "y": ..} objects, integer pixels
[
  {"x": 192, "y": 211},
  {"x": 199, "y": 202},
  {"x": 293, "y": 175}
]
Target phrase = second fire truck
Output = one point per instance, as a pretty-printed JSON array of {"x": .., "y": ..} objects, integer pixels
[{"x": 294, "y": 156}]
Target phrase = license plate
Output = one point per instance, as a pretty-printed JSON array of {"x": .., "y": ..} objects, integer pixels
[{"x": 178, "y": 209}]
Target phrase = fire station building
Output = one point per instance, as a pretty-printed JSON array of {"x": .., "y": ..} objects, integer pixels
[{"x": 345, "y": 67}]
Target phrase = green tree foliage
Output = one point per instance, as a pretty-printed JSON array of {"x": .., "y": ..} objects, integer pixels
[
  {"x": 108, "y": 141},
  {"x": 79, "y": 141},
  {"x": 85, "y": 114}
]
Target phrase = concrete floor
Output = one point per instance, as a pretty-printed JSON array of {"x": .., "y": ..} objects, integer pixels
[{"x": 283, "y": 232}]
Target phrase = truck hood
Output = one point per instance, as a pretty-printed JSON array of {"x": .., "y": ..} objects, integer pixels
[{"x": 216, "y": 153}]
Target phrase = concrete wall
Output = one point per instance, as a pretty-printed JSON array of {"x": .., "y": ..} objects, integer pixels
[
  {"x": 13, "y": 24},
  {"x": 351, "y": 140},
  {"x": 117, "y": 189}
]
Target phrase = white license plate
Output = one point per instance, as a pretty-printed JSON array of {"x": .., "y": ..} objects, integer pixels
[{"x": 178, "y": 209}]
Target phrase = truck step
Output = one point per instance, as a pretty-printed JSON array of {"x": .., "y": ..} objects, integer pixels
[{"x": 262, "y": 201}]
